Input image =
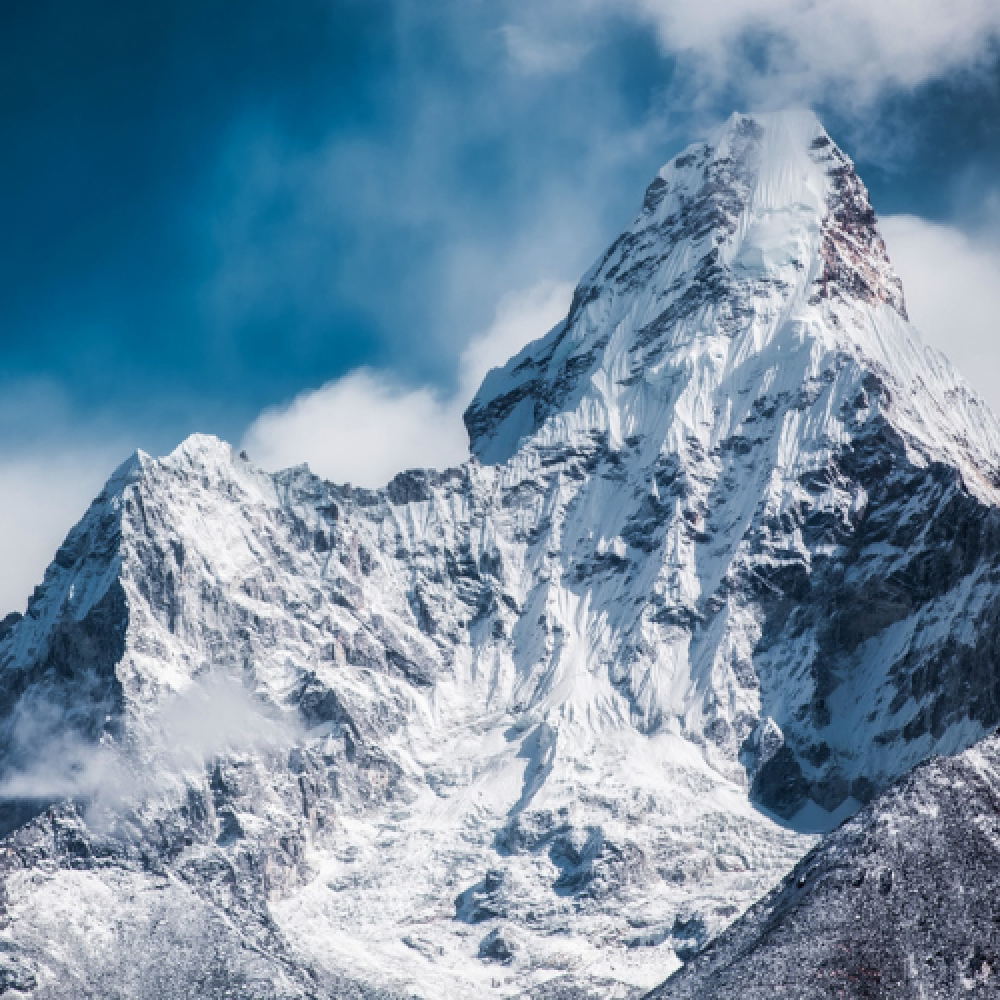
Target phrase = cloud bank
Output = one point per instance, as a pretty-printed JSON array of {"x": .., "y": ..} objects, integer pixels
[
  {"x": 952, "y": 285},
  {"x": 839, "y": 51},
  {"x": 364, "y": 428},
  {"x": 213, "y": 716}
]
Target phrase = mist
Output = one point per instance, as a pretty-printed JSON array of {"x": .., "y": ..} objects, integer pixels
[{"x": 174, "y": 742}]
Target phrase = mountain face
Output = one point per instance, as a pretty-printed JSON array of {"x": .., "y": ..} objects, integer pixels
[
  {"x": 902, "y": 901},
  {"x": 724, "y": 564}
]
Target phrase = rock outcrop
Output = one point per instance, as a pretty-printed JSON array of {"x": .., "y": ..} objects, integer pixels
[{"x": 901, "y": 901}]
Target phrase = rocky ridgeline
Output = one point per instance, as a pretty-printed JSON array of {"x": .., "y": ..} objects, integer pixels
[
  {"x": 901, "y": 901},
  {"x": 723, "y": 566}
]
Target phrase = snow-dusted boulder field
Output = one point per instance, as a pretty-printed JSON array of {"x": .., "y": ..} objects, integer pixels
[{"x": 724, "y": 564}]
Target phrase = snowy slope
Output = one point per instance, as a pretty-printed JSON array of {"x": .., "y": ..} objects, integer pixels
[{"x": 723, "y": 566}]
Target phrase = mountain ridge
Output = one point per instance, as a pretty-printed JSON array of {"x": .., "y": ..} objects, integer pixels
[
  {"x": 723, "y": 566},
  {"x": 899, "y": 901}
]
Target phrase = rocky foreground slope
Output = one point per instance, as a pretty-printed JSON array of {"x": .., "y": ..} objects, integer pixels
[
  {"x": 903, "y": 901},
  {"x": 724, "y": 565}
]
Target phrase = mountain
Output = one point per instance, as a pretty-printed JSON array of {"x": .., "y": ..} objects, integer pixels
[
  {"x": 723, "y": 565},
  {"x": 902, "y": 901}
]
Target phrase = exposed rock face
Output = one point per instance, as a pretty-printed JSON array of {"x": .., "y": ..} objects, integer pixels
[
  {"x": 724, "y": 566},
  {"x": 902, "y": 901}
]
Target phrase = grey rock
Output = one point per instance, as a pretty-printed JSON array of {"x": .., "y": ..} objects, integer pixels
[{"x": 901, "y": 901}]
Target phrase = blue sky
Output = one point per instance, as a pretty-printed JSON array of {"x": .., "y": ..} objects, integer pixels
[{"x": 210, "y": 209}]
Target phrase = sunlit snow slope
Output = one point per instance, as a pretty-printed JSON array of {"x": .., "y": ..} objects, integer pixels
[{"x": 726, "y": 563}]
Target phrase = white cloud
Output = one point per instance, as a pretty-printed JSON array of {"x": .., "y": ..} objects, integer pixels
[
  {"x": 364, "y": 428},
  {"x": 361, "y": 429},
  {"x": 844, "y": 49},
  {"x": 537, "y": 54},
  {"x": 42, "y": 496},
  {"x": 952, "y": 284},
  {"x": 520, "y": 318},
  {"x": 214, "y": 715}
]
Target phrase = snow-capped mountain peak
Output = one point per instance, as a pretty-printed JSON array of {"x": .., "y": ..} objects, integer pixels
[
  {"x": 755, "y": 254},
  {"x": 722, "y": 567}
]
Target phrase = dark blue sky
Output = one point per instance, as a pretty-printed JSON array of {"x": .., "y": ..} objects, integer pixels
[{"x": 206, "y": 207}]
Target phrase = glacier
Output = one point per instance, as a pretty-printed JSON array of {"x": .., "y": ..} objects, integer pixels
[{"x": 722, "y": 566}]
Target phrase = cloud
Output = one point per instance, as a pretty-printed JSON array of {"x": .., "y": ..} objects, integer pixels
[
  {"x": 213, "y": 716},
  {"x": 360, "y": 429},
  {"x": 496, "y": 160},
  {"x": 842, "y": 50},
  {"x": 520, "y": 318},
  {"x": 365, "y": 427},
  {"x": 535, "y": 54},
  {"x": 43, "y": 495},
  {"x": 952, "y": 283}
]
